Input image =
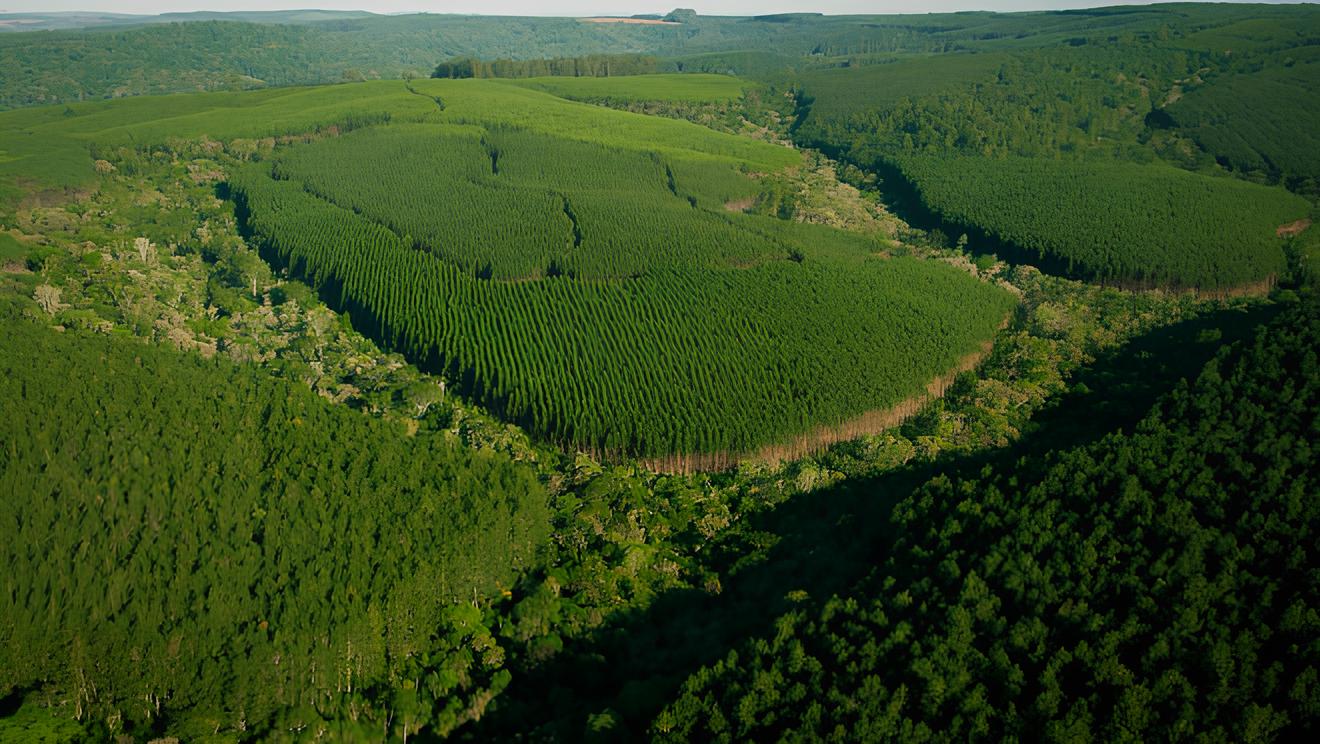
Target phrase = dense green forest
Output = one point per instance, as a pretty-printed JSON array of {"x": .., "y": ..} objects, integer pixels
[
  {"x": 192, "y": 540},
  {"x": 1258, "y": 122},
  {"x": 781, "y": 377},
  {"x": 1155, "y": 584},
  {"x": 66, "y": 66},
  {"x": 1057, "y": 130},
  {"x": 663, "y": 88},
  {"x": 596, "y": 65},
  {"x": 190, "y": 52}
]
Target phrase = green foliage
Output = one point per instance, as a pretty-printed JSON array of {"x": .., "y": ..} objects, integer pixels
[
  {"x": 517, "y": 205},
  {"x": 34, "y": 725},
  {"x": 135, "y": 55},
  {"x": 611, "y": 360},
  {"x": 1152, "y": 585},
  {"x": 1071, "y": 102},
  {"x": 51, "y": 148},
  {"x": 191, "y": 539},
  {"x": 840, "y": 94},
  {"x": 1305, "y": 250},
  {"x": 1115, "y": 221},
  {"x": 686, "y": 88},
  {"x": 198, "y": 550},
  {"x": 70, "y": 66},
  {"x": 494, "y": 104},
  {"x": 591, "y": 66},
  {"x": 12, "y": 251},
  {"x": 47, "y": 148},
  {"x": 1261, "y": 122},
  {"x": 962, "y": 127},
  {"x": 622, "y": 219},
  {"x": 754, "y": 64}
]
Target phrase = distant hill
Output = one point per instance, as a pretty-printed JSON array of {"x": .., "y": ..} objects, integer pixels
[
  {"x": 105, "y": 55},
  {"x": 80, "y": 19}
]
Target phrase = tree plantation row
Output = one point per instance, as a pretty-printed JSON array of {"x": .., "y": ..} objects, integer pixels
[
  {"x": 55, "y": 148},
  {"x": 574, "y": 267},
  {"x": 1060, "y": 154},
  {"x": 1151, "y": 225},
  {"x": 688, "y": 351},
  {"x": 1259, "y": 122},
  {"x": 510, "y": 204}
]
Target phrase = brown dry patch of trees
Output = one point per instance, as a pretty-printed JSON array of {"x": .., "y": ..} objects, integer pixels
[{"x": 1292, "y": 229}]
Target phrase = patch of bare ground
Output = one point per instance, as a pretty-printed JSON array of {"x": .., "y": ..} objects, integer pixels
[
  {"x": 38, "y": 195},
  {"x": 636, "y": 21},
  {"x": 1292, "y": 228},
  {"x": 740, "y": 205},
  {"x": 872, "y": 422}
]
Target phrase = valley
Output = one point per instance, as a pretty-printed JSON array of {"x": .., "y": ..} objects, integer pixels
[{"x": 946, "y": 377}]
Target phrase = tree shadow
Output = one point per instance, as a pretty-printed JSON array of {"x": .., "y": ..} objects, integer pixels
[
  {"x": 814, "y": 546},
  {"x": 818, "y": 544},
  {"x": 1118, "y": 389}
]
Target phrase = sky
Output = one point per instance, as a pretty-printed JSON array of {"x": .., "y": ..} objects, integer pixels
[{"x": 555, "y": 7}]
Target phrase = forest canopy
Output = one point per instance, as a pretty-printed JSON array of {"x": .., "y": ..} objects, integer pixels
[
  {"x": 193, "y": 539},
  {"x": 682, "y": 378},
  {"x": 1153, "y": 585}
]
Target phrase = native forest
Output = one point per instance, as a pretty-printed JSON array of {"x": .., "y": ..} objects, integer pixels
[{"x": 671, "y": 377}]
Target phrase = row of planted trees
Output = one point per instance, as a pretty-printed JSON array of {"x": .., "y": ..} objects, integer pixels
[
  {"x": 1054, "y": 156},
  {"x": 1115, "y": 221},
  {"x": 514, "y": 205},
  {"x": 688, "y": 356}
]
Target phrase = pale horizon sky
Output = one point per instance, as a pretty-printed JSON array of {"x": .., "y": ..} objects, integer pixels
[{"x": 557, "y": 7}]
